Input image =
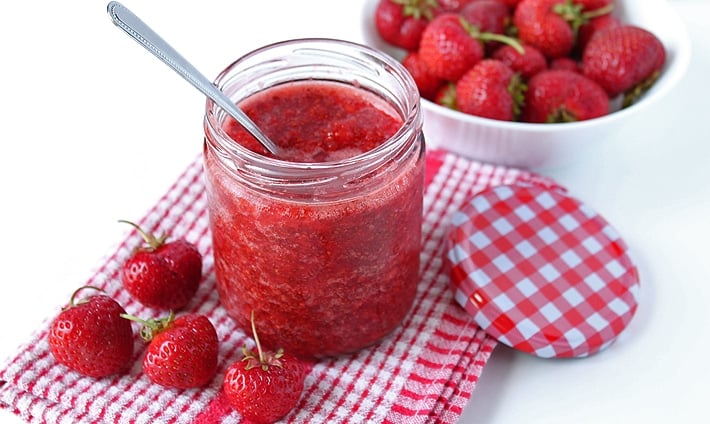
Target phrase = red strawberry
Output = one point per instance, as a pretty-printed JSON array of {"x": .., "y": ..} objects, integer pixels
[
  {"x": 447, "y": 48},
  {"x": 491, "y": 90},
  {"x": 183, "y": 351},
  {"x": 90, "y": 337},
  {"x": 624, "y": 59},
  {"x": 527, "y": 63},
  {"x": 552, "y": 25},
  {"x": 427, "y": 83},
  {"x": 264, "y": 386},
  {"x": 450, "y": 45},
  {"x": 587, "y": 30},
  {"x": 563, "y": 96},
  {"x": 541, "y": 26},
  {"x": 488, "y": 15},
  {"x": 162, "y": 274},
  {"x": 402, "y": 22}
]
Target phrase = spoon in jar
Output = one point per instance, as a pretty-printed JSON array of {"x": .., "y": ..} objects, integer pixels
[{"x": 146, "y": 37}]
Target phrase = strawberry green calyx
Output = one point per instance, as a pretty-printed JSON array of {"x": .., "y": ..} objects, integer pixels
[
  {"x": 151, "y": 327},
  {"x": 575, "y": 14},
  {"x": 475, "y": 32},
  {"x": 570, "y": 12},
  {"x": 561, "y": 115},
  {"x": 517, "y": 89},
  {"x": 447, "y": 96},
  {"x": 634, "y": 94},
  {"x": 152, "y": 241},
  {"x": 418, "y": 9},
  {"x": 261, "y": 359}
]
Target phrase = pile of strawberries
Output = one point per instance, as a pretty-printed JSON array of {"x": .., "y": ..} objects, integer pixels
[
  {"x": 522, "y": 60},
  {"x": 93, "y": 335}
]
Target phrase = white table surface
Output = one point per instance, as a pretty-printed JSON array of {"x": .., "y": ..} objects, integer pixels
[{"x": 94, "y": 130}]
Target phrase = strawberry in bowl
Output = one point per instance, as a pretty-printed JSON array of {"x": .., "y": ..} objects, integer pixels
[{"x": 575, "y": 35}]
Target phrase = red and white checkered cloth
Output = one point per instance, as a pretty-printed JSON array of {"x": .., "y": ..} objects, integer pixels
[{"x": 423, "y": 372}]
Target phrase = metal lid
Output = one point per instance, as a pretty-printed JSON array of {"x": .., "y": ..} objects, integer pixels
[{"x": 540, "y": 271}]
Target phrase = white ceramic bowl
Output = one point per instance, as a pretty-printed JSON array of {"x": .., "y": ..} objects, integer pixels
[{"x": 536, "y": 146}]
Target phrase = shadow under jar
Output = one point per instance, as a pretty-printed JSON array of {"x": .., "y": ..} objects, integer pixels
[{"x": 323, "y": 241}]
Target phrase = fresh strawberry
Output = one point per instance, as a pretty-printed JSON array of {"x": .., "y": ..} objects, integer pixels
[
  {"x": 402, "y": 22},
  {"x": 162, "y": 274},
  {"x": 555, "y": 96},
  {"x": 450, "y": 45},
  {"x": 447, "y": 48},
  {"x": 183, "y": 352},
  {"x": 624, "y": 59},
  {"x": 491, "y": 90},
  {"x": 594, "y": 25},
  {"x": 552, "y": 25},
  {"x": 264, "y": 386},
  {"x": 427, "y": 83},
  {"x": 527, "y": 63},
  {"x": 90, "y": 337},
  {"x": 488, "y": 15},
  {"x": 539, "y": 25}
]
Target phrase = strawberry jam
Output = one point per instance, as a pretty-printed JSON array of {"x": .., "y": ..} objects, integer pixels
[{"x": 323, "y": 241}]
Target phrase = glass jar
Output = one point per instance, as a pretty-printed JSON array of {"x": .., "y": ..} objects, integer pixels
[{"x": 322, "y": 244}]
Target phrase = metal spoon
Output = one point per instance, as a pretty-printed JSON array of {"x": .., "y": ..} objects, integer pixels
[{"x": 146, "y": 37}]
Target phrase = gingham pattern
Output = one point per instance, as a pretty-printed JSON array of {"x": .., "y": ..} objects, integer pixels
[
  {"x": 424, "y": 372},
  {"x": 541, "y": 272}
]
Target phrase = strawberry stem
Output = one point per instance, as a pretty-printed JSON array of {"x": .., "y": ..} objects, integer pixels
[
  {"x": 153, "y": 242},
  {"x": 264, "y": 360},
  {"x": 491, "y": 36},
  {"x": 475, "y": 32},
  {"x": 73, "y": 302},
  {"x": 256, "y": 338},
  {"x": 591, "y": 14}
]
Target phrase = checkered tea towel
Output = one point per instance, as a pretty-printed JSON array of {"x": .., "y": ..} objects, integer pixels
[{"x": 425, "y": 371}]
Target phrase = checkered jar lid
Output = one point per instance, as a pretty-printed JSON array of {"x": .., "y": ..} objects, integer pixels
[{"x": 540, "y": 271}]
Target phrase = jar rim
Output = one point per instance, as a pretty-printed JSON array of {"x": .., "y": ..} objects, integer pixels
[{"x": 411, "y": 116}]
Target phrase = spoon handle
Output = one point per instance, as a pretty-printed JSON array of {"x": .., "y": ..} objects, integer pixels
[{"x": 146, "y": 37}]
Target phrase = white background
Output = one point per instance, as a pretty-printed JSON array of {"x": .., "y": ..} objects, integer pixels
[{"x": 94, "y": 129}]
